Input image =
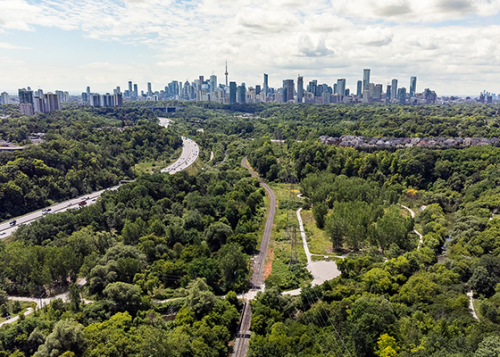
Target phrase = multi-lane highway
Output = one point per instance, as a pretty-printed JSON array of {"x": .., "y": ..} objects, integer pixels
[
  {"x": 190, "y": 152},
  {"x": 6, "y": 229}
]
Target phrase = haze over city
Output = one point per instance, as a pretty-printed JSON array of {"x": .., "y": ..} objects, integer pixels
[{"x": 450, "y": 45}]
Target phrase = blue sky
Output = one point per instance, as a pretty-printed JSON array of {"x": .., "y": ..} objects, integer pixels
[{"x": 450, "y": 45}]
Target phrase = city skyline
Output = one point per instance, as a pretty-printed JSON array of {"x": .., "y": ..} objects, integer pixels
[{"x": 43, "y": 44}]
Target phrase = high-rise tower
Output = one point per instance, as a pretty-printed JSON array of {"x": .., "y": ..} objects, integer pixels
[
  {"x": 226, "y": 74},
  {"x": 300, "y": 89},
  {"x": 266, "y": 84},
  {"x": 394, "y": 89},
  {"x": 413, "y": 87},
  {"x": 366, "y": 79}
]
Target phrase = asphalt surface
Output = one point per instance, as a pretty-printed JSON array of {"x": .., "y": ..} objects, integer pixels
[
  {"x": 6, "y": 229},
  {"x": 256, "y": 283},
  {"x": 190, "y": 152}
]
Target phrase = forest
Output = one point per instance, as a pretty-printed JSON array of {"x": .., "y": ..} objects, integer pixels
[
  {"x": 85, "y": 150},
  {"x": 154, "y": 268}
]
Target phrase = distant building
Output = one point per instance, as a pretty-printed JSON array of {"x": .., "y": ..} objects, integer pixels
[
  {"x": 300, "y": 89},
  {"x": 88, "y": 91},
  {"x": 288, "y": 90},
  {"x": 359, "y": 91},
  {"x": 51, "y": 102},
  {"x": 213, "y": 83},
  {"x": 150, "y": 91},
  {"x": 413, "y": 87},
  {"x": 118, "y": 100},
  {"x": 394, "y": 89},
  {"x": 25, "y": 96},
  {"x": 266, "y": 84},
  {"x": 232, "y": 92},
  {"x": 241, "y": 94},
  {"x": 130, "y": 88},
  {"x": 341, "y": 87},
  {"x": 366, "y": 78},
  {"x": 136, "y": 91},
  {"x": 388, "y": 94},
  {"x": 402, "y": 95},
  {"x": 4, "y": 98},
  {"x": 95, "y": 100}
]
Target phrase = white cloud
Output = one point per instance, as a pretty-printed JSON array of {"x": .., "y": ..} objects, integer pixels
[{"x": 9, "y": 46}]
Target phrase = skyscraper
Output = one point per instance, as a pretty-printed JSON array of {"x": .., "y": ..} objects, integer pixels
[
  {"x": 130, "y": 88},
  {"x": 413, "y": 87},
  {"x": 136, "y": 91},
  {"x": 402, "y": 95},
  {"x": 202, "y": 79},
  {"x": 288, "y": 90},
  {"x": 394, "y": 89},
  {"x": 241, "y": 94},
  {"x": 26, "y": 101},
  {"x": 366, "y": 78},
  {"x": 51, "y": 102},
  {"x": 300, "y": 89},
  {"x": 88, "y": 91},
  {"x": 213, "y": 83},
  {"x": 257, "y": 89},
  {"x": 359, "y": 91},
  {"x": 266, "y": 84},
  {"x": 335, "y": 88},
  {"x": 150, "y": 92},
  {"x": 4, "y": 98},
  {"x": 341, "y": 87},
  {"x": 232, "y": 92},
  {"x": 388, "y": 94}
]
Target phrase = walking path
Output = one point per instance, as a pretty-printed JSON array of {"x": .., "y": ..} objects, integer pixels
[
  {"x": 420, "y": 241},
  {"x": 470, "y": 294},
  {"x": 14, "y": 319}
]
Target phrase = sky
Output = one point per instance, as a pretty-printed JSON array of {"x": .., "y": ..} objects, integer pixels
[{"x": 451, "y": 46}]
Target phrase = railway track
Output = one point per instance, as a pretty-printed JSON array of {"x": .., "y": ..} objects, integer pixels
[{"x": 243, "y": 336}]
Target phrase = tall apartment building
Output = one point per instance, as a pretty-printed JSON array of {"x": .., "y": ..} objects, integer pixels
[
  {"x": 366, "y": 79},
  {"x": 265, "y": 88},
  {"x": 341, "y": 87},
  {"x": 4, "y": 98},
  {"x": 26, "y": 101},
  {"x": 288, "y": 90},
  {"x": 413, "y": 87},
  {"x": 232, "y": 92},
  {"x": 394, "y": 89}
]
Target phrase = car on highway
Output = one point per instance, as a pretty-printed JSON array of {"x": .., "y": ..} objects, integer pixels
[
  {"x": 13, "y": 223},
  {"x": 82, "y": 203},
  {"x": 94, "y": 200},
  {"x": 70, "y": 204},
  {"x": 2, "y": 233}
]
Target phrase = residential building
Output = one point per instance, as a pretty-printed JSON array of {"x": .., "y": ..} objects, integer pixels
[
  {"x": 51, "y": 102},
  {"x": 232, "y": 92},
  {"x": 300, "y": 89},
  {"x": 366, "y": 78},
  {"x": 394, "y": 89},
  {"x": 150, "y": 91},
  {"x": 341, "y": 87},
  {"x": 359, "y": 91},
  {"x": 288, "y": 90},
  {"x": 213, "y": 83},
  {"x": 4, "y": 98},
  {"x": 266, "y": 84},
  {"x": 413, "y": 87}
]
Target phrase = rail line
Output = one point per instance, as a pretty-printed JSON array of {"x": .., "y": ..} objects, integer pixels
[{"x": 243, "y": 336}]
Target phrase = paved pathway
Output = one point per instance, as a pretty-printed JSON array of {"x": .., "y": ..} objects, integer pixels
[
  {"x": 415, "y": 231},
  {"x": 28, "y": 311},
  {"x": 470, "y": 294}
]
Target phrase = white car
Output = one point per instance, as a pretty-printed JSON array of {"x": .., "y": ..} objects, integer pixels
[
  {"x": 70, "y": 204},
  {"x": 2, "y": 234}
]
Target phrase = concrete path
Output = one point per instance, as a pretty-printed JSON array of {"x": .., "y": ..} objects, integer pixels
[
  {"x": 14, "y": 319},
  {"x": 470, "y": 294},
  {"x": 420, "y": 241}
]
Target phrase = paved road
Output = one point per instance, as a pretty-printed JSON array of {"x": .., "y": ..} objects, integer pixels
[
  {"x": 6, "y": 229},
  {"x": 243, "y": 336},
  {"x": 190, "y": 152}
]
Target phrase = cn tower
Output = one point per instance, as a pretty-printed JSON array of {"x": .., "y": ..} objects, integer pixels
[{"x": 226, "y": 74}]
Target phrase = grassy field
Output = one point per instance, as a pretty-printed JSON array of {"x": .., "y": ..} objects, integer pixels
[
  {"x": 24, "y": 308},
  {"x": 148, "y": 167}
]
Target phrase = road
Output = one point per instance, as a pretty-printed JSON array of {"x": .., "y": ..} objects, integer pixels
[
  {"x": 190, "y": 152},
  {"x": 243, "y": 336},
  {"x": 6, "y": 229}
]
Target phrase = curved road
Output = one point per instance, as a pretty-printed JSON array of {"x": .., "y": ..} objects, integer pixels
[
  {"x": 243, "y": 336},
  {"x": 190, "y": 152}
]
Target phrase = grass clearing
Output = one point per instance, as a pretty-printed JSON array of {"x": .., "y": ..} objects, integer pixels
[{"x": 24, "y": 305}]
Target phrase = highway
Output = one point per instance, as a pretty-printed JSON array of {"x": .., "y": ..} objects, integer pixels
[
  {"x": 6, "y": 229},
  {"x": 190, "y": 152}
]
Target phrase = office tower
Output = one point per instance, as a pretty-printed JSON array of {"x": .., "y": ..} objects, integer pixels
[
  {"x": 130, "y": 88},
  {"x": 213, "y": 83},
  {"x": 300, "y": 89},
  {"x": 232, "y": 92},
  {"x": 366, "y": 78},
  {"x": 118, "y": 90},
  {"x": 226, "y": 73},
  {"x": 85, "y": 97},
  {"x": 347, "y": 92},
  {"x": 88, "y": 92},
  {"x": 200, "y": 83},
  {"x": 335, "y": 88},
  {"x": 4, "y": 98},
  {"x": 51, "y": 102},
  {"x": 378, "y": 92},
  {"x": 266, "y": 84},
  {"x": 39, "y": 93},
  {"x": 150, "y": 92},
  {"x": 118, "y": 100},
  {"x": 359, "y": 91},
  {"x": 257, "y": 89},
  {"x": 288, "y": 90},
  {"x": 311, "y": 87},
  {"x": 341, "y": 87},
  {"x": 388, "y": 94},
  {"x": 136, "y": 91},
  {"x": 394, "y": 89},
  {"x": 413, "y": 87},
  {"x": 402, "y": 95},
  {"x": 241, "y": 94}
]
